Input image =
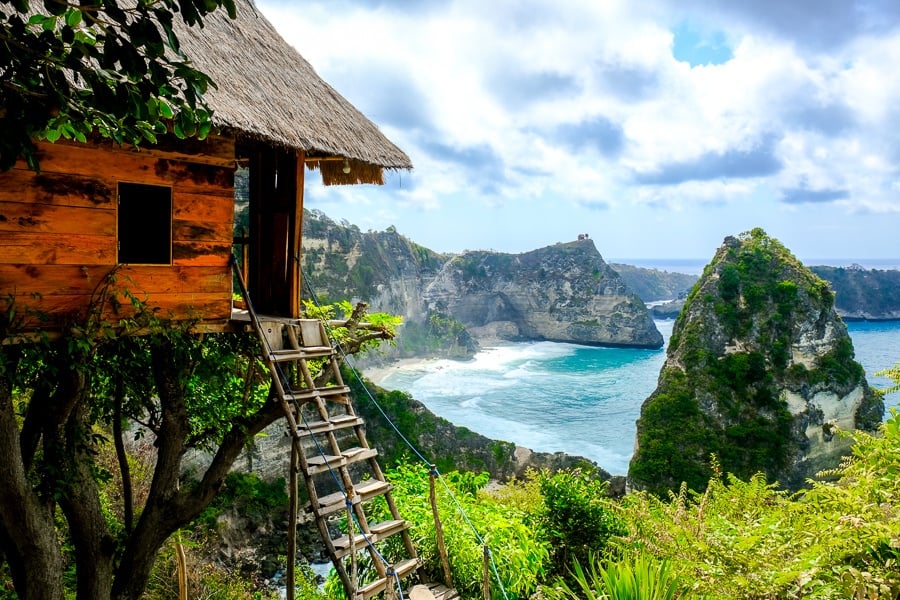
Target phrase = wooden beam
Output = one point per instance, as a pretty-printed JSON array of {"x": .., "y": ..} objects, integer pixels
[{"x": 297, "y": 242}]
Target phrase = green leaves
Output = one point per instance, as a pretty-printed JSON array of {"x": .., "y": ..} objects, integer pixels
[{"x": 72, "y": 71}]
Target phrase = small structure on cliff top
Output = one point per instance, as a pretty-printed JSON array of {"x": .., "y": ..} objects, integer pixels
[{"x": 759, "y": 372}]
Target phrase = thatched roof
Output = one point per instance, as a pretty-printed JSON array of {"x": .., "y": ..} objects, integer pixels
[{"x": 267, "y": 91}]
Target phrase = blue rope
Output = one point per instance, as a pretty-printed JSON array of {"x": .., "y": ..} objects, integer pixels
[
  {"x": 286, "y": 386},
  {"x": 432, "y": 467}
]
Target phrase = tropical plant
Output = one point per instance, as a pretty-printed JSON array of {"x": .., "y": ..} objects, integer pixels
[
  {"x": 641, "y": 577},
  {"x": 61, "y": 400},
  {"x": 75, "y": 69},
  {"x": 577, "y": 517},
  {"x": 472, "y": 523}
]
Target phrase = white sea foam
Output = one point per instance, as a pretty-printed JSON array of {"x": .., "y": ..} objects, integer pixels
[{"x": 567, "y": 398}]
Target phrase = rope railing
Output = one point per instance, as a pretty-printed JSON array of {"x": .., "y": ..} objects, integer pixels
[
  {"x": 286, "y": 385},
  {"x": 489, "y": 560}
]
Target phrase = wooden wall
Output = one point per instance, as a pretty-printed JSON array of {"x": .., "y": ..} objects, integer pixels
[{"x": 58, "y": 230}]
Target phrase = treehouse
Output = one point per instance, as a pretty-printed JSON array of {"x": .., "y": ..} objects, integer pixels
[
  {"x": 161, "y": 218},
  {"x": 101, "y": 225}
]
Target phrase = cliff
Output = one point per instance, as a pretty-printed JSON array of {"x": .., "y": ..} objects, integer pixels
[
  {"x": 564, "y": 292},
  {"x": 863, "y": 294},
  {"x": 653, "y": 285},
  {"x": 859, "y": 293},
  {"x": 759, "y": 372}
]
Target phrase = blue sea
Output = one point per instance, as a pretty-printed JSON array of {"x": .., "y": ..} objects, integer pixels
[{"x": 579, "y": 400}]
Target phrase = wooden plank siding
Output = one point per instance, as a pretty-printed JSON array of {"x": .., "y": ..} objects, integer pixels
[{"x": 58, "y": 238}]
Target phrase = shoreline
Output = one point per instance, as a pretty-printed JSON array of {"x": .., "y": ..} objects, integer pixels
[{"x": 378, "y": 374}]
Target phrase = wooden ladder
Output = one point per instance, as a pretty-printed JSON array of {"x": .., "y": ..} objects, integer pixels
[{"x": 329, "y": 448}]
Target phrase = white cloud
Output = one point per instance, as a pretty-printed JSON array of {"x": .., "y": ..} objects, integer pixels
[{"x": 578, "y": 104}]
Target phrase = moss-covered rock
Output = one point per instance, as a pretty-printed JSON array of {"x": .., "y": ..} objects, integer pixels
[{"x": 759, "y": 372}]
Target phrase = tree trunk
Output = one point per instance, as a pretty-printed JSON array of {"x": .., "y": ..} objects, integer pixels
[
  {"x": 168, "y": 508},
  {"x": 31, "y": 545},
  {"x": 94, "y": 543}
]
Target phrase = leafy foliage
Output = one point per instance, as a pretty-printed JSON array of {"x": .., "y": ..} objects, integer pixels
[
  {"x": 840, "y": 539},
  {"x": 578, "y": 518},
  {"x": 517, "y": 550},
  {"x": 642, "y": 577},
  {"x": 71, "y": 70}
]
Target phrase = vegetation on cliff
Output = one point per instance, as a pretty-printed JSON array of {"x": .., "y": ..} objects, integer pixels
[
  {"x": 557, "y": 533},
  {"x": 756, "y": 325},
  {"x": 652, "y": 284},
  {"x": 863, "y": 294}
]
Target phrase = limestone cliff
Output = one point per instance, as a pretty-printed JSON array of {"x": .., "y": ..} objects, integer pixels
[
  {"x": 870, "y": 294},
  {"x": 563, "y": 293},
  {"x": 759, "y": 372}
]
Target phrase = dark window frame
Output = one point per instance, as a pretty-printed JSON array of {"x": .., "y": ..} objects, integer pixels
[{"x": 144, "y": 224}]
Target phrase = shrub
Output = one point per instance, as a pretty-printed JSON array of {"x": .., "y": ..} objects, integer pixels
[{"x": 578, "y": 518}]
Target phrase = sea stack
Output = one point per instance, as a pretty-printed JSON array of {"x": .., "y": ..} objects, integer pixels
[{"x": 759, "y": 376}]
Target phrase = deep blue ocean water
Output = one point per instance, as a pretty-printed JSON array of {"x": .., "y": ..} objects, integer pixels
[{"x": 575, "y": 399}]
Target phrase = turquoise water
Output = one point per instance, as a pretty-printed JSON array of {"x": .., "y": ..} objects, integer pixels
[{"x": 579, "y": 400}]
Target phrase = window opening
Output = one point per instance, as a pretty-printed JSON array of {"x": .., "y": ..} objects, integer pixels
[{"x": 145, "y": 224}]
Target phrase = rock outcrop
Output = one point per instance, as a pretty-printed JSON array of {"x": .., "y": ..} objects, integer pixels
[
  {"x": 564, "y": 292},
  {"x": 561, "y": 293},
  {"x": 759, "y": 372}
]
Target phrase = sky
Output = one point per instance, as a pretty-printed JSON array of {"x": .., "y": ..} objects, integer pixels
[{"x": 657, "y": 127}]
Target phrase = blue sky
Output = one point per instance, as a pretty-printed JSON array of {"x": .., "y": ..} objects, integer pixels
[{"x": 658, "y": 127}]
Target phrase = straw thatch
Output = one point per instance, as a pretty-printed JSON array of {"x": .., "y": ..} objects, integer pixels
[{"x": 267, "y": 91}]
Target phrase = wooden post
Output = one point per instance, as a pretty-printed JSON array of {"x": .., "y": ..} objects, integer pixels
[
  {"x": 182, "y": 570},
  {"x": 438, "y": 528},
  {"x": 486, "y": 575},
  {"x": 293, "y": 511},
  {"x": 297, "y": 239}
]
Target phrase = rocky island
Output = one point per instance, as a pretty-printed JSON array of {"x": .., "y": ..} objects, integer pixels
[{"x": 759, "y": 376}]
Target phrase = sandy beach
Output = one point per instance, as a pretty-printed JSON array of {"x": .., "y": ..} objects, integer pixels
[{"x": 378, "y": 374}]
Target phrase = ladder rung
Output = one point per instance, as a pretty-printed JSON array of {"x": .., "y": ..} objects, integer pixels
[
  {"x": 402, "y": 569},
  {"x": 377, "y": 532},
  {"x": 327, "y": 393},
  {"x": 357, "y": 454},
  {"x": 363, "y": 492},
  {"x": 322, "y": 463},
  {"x": 372, "y": 487},
  {"x": 342, "y": 544},
  {"x": 292, "y": 354},
  {"x": 332, "y": 424},
  {"x": 386, "y": 529}
]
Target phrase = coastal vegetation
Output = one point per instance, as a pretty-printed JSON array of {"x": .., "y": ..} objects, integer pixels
[{"x": 560, "y": 535}]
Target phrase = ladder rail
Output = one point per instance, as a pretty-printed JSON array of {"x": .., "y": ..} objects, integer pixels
[{"x": 313, "y": 343}]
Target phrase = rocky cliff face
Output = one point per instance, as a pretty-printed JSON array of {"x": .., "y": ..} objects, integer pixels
[
  {"x": 564, "y": 292},
  {"x": 870, "y": 294},
  {"x": 759, "y": 372}
]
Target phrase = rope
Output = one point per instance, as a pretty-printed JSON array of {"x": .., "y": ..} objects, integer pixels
[
  {"x": 287, "y": 388},
  {"x": 431, "y": 466}
]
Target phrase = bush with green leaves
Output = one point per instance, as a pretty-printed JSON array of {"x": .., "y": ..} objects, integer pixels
[
  {"x": 517, "y": 551},
  {"x": 746, "y": 539},
  {"x": 577, "y": 517}
]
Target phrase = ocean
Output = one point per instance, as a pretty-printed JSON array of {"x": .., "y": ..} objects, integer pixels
[{"x": 580, "y": 400}]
